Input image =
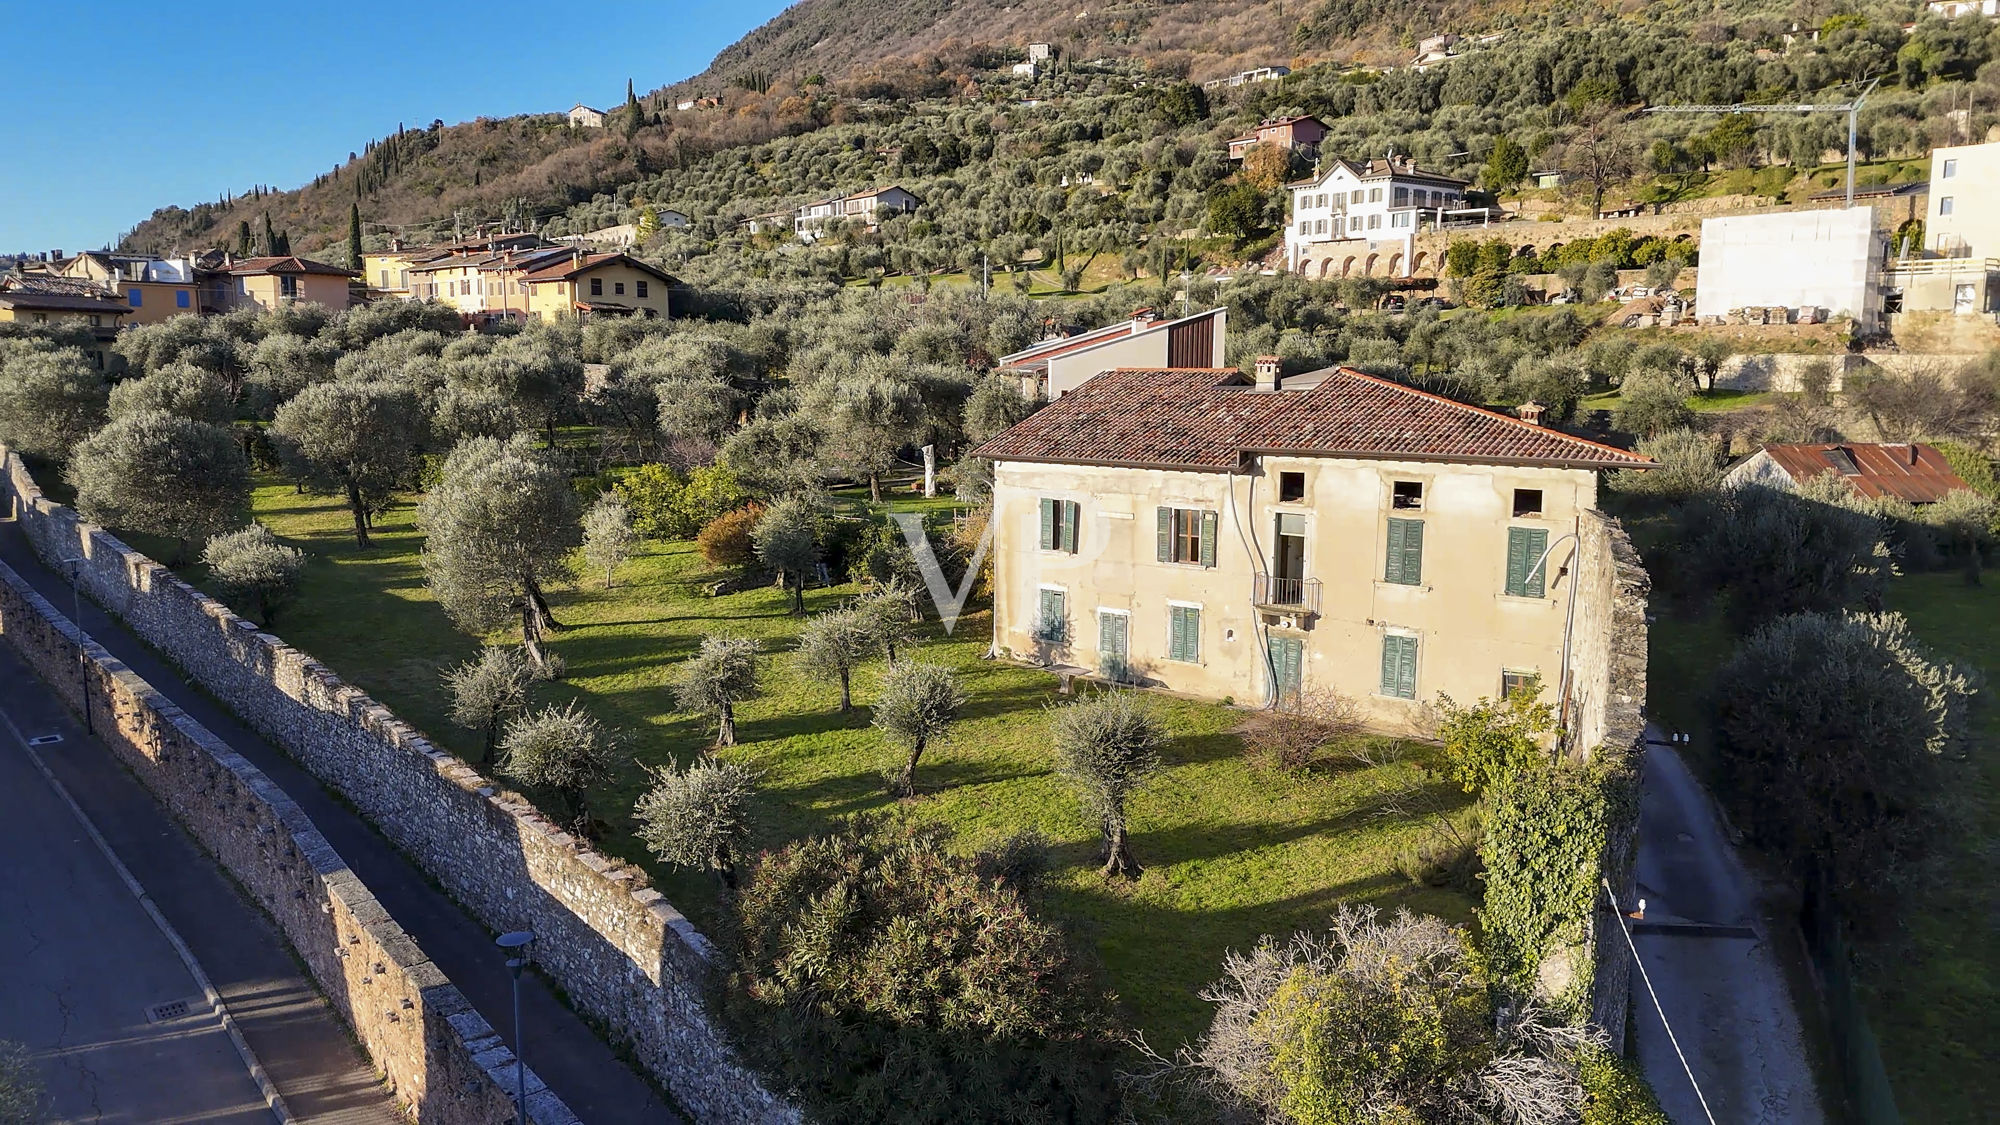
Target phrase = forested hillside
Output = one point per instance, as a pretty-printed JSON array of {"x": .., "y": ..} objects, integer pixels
[{"x": 1001, "y": 160}]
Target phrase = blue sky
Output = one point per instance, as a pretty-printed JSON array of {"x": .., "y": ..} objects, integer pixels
[{"x": 121, "y": 106}]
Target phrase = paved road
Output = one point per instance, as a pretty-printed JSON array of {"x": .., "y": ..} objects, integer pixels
[
  {"x": 1719, "y": 979},
  {"x": 577, "y": 1065},
  {"x": 295, "y": 1036}
]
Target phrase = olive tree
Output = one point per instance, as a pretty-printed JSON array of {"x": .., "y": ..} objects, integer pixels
[
  {"x": 561, "y": 749},
  {"x": 50, "y": 399},
  {"x": 178, "y": 388},
  {"x": 1778, "y": 552},
  {"x": 696, "y": 817},
  {"x": 714, "y": 680},
  {"x": 786, "y": 537},
  {"x": 1108, "y": 744},
  {"x": 916, "y": 708},
  {"x": 836, "y": 643},
  {"x": 252, "y": 566},
  {"x": 891, "y": 613},
  {"x": 162, "y": 475},
  {"x": 355, "y": 439},
  {"x": 608, "y": 537},
  {"x": 500, "y": 524},
  {"x": 1836, "y": 732},
  {"x": 486, "y": 691}
]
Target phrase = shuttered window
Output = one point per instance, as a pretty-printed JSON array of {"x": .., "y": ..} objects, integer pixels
[
  {"x": 1112, "y": 645},
  {"x": 1186, "y": 535},
  {"x": 1052, "y": 623},
  {"x": 1399, "y": 666},
  {"x": 1184, "y": 633},
  {"x": 1059, "y": 520},
  {"x": 1525, "y": 546},
  {"x": 1404, "y": 563}
]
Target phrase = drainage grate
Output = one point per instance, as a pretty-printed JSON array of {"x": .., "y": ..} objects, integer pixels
[
  {"x": 172, "y": 1010},
  {"x": 45, "y": 740}
]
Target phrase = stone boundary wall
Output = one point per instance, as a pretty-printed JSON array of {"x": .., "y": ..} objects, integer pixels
[
  {"x": 443, "y": 1060},
  {"x": 623, "y": 955},
  {"x": 1780, "y": 371},
  {"x": 1608, "y": 659}
]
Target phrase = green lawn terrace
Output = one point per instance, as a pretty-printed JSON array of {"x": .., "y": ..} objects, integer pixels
[{"x": 1232, "y": 850}]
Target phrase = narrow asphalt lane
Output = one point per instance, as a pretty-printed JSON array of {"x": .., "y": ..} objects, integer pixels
[
  {"x": 577, "y": 1065},
  {"x": 88, "y": 974},
  {"x": 1705, "y": 942},
  {"x": 301, "y": 1043}
]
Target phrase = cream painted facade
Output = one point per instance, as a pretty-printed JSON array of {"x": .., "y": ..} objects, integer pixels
[
  {"x": 270, "y": 290},
  {"x": 611, "y": 283},
  {"x": 1465, "y": 630},
  {"x": 1964, "y": 206}
]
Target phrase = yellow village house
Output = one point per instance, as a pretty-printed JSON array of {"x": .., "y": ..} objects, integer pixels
[
  {"x": 152, "y": 289},
  {"x": 1204, "y": 532},
  {"x": 55, "y": 302},
  {"x": 584, "y": 285},
  {"x": 267, "y": 283}
]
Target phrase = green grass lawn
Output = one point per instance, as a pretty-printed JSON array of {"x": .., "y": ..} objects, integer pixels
[
  {"x": 1232, "y": 851},
  {"x": 1935, "y": 1005}
]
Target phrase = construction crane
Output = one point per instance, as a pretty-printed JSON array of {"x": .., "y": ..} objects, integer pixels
[{"x": 1851, "y": 109}]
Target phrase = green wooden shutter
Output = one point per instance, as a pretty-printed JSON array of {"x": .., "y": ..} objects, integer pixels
[
  {"x": 1399, "y": 666},
  {"x": 1166, "y": 533},
  {"x": 1070, "y": 512},
  {"x": 1184, "y": 639},
  {"x": 1208, "y": 522},
  {"x": 1052, "y": 625},
  {"x": 1525, "y": 546},
  {"x": 1048, "y": 524},
  {"x": 1403, "y": 562}
]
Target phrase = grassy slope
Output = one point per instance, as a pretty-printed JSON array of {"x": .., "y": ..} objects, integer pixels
[
  {"x": 1936, "y": 1006},
  {"x": 1233, "y": 852}
]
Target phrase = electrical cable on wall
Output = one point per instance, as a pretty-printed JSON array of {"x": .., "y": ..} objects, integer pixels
[{"x": 1618, "y": 913}]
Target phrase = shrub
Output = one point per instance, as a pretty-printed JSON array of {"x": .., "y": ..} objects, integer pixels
[
  {"x": 725, "y": 540},
  {"x": 1614, "y": 1092},
  {"x": 1690, "y": 463},
  {"x": 884, "y": 978},
  {"x": 1493, "y": 741},
  {"x": 1294, "y": 735},
  {"x": 251, "y": 565},
  {"x": 652, "y": 493}
]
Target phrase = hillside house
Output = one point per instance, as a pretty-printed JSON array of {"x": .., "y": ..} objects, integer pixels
[
  {"x": 587, "y": 285},
  {"x": 584, "y": 117},
  {"x": 267, "y": 283},
  {"x": 1040, "y": 52},
  {"x": 1233, "y": 538},
  {"x": 1259, "y": 74},
  {"x": 51, "y": 301},
  {"x": 485, "y": 286},
  {"x": 1377, "y": 201},
  {"x": 864, "y": 207},
  {"x": 1952, "y": 9},
  {"x": 1907, "y": 471},
  {"x": 1293, "y": 134},
  {"x": 153, "y": 289},
  {"x": 1062, "y": 363}
]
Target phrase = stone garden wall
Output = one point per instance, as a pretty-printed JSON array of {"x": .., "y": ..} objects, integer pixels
[{"x": 624, "y": 956}]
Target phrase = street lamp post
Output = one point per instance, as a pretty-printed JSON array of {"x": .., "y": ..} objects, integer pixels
[
  {"x": 517, "y": 945},
  {"x": 76, "y": 619}
]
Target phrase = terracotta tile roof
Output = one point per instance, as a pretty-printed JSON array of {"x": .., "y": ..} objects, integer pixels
[
  {"x": 62, "y": 302},
  {"x": 1916, "y": 473},
  {"x": 287, "y": 264},
  {"x": 1209, "y": 419},
  {"x": 567, "y": 268}
]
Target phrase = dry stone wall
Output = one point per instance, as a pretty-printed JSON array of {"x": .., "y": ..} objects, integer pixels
[
  {"x": 624, "y": 956},
  {"x": 443, "y": 1060},
  {"x": 1608, "y": 661}
]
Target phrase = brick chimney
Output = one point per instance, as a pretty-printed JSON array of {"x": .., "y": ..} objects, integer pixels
[
  {"x": 1531, "y": 412},
  {"x": 1268, "y": 378},
  {"x": 1143, "y": 317}
]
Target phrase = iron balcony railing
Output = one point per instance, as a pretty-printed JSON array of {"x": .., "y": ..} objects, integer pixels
[{"x": 1299, "y": 595}]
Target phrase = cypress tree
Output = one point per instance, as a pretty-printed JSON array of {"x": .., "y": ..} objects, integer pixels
[
  {"x": 270, "y": 235},
  {"x": 284, "y": 247},
  {"x": 354, "y": 236},
  {"x": 631, "y": 111},
  {"x": 244, "y": 242}
]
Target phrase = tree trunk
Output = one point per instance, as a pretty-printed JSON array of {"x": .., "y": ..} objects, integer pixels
[
  {"x": 906, "y": 785},
  {"x": 799, "y": 596},
  {"x": 492, "y": 740},
  {"x": 360, "y": 513},
  {"x": 725, "y": 868},
  {"x": 725, "y": 726},
  {"x": 1118, "y": 850},
  {"x": 875, "y": 488},
  {"x": 846, "y": 694},
  {"x": 1972, "y": 562},
  {"x": 546, "y": 616},
  {"x": 531, "y": 635}
]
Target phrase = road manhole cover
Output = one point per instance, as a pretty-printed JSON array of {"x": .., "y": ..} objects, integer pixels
[
  {"x": 171, "y": 1010},
  {"x": 45, "y": 740}
]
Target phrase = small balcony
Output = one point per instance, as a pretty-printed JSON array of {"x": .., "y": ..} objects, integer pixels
[{"x": 1286, "y": 595}]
